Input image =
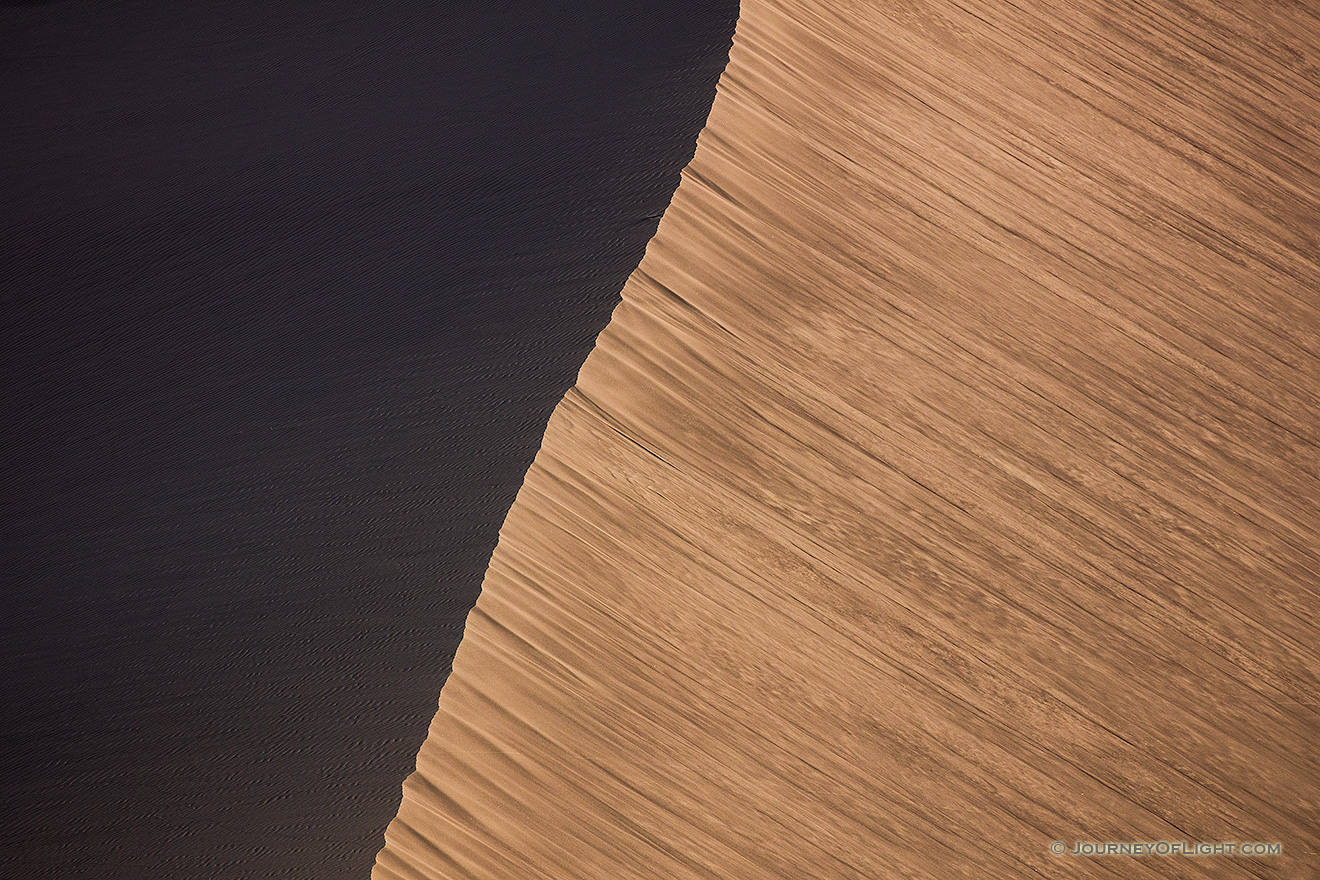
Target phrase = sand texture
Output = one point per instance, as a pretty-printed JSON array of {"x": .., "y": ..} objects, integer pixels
[{"x": 945, "y": 484}]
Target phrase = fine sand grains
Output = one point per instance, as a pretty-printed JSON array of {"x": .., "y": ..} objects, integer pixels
[{"x": 944, "y": 486}]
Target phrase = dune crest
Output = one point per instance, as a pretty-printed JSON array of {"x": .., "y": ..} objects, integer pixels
[{"x": 944, "y": 485}]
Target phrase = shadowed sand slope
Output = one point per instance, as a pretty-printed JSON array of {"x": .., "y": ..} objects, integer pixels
[
  {"x": 288, "y": 292},
  {"x": 945, "y": 484}
]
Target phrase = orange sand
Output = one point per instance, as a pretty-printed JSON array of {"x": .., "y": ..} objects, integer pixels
[{"x": 946, "y": 483}]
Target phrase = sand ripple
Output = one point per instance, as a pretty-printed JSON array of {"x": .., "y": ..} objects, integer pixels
[{"x": 945, "y": 484}]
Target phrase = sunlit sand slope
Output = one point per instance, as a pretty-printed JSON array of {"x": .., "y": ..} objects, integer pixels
[{"x": 945, "y": 485}]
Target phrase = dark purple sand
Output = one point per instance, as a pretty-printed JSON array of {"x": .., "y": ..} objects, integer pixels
[{"x": 288, "y": 297}]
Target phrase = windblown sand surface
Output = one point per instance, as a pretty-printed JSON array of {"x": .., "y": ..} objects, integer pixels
[{"x": 945, "y": 485}]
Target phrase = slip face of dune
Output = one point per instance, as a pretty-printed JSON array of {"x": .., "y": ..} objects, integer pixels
[
  {"x": 943, "y": 487},
  {"x": 288, "y": 292}
]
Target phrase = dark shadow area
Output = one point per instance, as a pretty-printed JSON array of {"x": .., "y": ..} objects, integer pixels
[{"x": 289, "y": 296}]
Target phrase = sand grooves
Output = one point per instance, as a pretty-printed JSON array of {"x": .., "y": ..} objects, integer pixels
[{"x": 944, "y": 486}]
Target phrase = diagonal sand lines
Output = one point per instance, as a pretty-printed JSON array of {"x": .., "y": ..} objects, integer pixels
[{"x": 945, "y": 484}]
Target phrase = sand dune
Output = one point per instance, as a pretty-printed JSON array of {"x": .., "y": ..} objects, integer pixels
[{"x": 945, "y": 484}]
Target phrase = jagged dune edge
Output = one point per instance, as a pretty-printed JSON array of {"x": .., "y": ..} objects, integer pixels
[{"x": 942, "y": 486}]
